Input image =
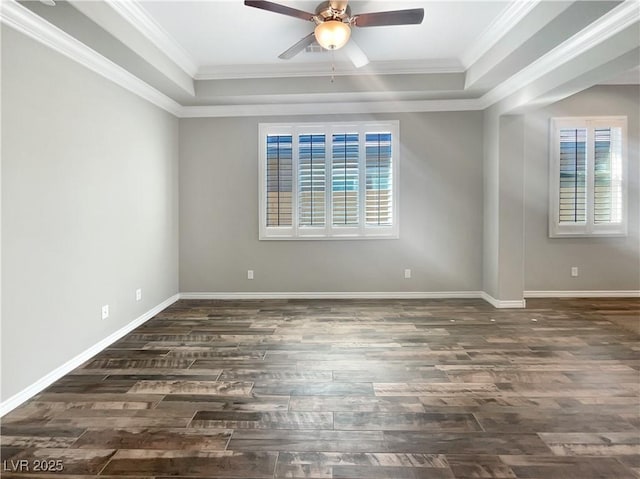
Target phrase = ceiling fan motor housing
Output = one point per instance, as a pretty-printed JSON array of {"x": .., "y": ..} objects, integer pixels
[{"x": 328, "y": 11}]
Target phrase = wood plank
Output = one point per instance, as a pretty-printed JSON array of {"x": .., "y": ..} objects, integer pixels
[
  {"x": 348, "y": 389},
  {"x": 227, "y": 464}
]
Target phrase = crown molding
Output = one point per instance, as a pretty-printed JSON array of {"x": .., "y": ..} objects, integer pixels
[
  {"x": 134, "y": 14},
  {"x": 613, "y": 22},
  {"x": 293, "y": 70},
  {"x": 143, "y": 22},
  {"x": 140, "y": 20},
  {"x": 25, "y": 21},
  {"x": 497, "y": 29},
  {"x": 333, "y": 108}
]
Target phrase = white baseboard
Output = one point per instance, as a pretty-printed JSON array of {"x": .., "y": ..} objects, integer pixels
[
  {"x": 504, "y": 304},
  {"x": 44, "y": 382},
  {"x": 30, "y": 391},
  {"x": 582, "y": 294},
  {"x": 337, "y": 295},
  {"x": 360, "y": 295}
]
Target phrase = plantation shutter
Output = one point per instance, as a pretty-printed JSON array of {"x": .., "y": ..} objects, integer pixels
[
  {"x": 573, "y": 175},
  {"x": 328, "y": 180},
  {"x": 607, "y": 192},
  {"x": 311, "y": 180},
  {"x": 345, "y": 179},
  {"x": 279, "y": 180},
  {"x": 587, "y": 188},
  {"x": 378, "y": 209}
]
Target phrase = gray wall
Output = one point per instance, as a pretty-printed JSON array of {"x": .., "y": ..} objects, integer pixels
[
  {"x": 440, "y": 214},
  {"x": 510, "y": 241},
  {"x": 90, "y": 199},
  {"x": 604, "y": 263},
  {"x": 503, "y": 248},
  {"x": 491, "y": 203},
  {"x": 89, "y": 209}
]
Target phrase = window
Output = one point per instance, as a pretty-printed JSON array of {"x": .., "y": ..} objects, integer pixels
[
  {"x": 328, "y": 180},
  {"x": 588, "y": 177}
]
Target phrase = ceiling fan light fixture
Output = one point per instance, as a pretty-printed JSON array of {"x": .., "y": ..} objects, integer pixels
[{"x": 332, "y": 34}]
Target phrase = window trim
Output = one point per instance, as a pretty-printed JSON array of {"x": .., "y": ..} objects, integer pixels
[
  {"x": 329, "y": 231},
  {"x": 589, "y": 228}
]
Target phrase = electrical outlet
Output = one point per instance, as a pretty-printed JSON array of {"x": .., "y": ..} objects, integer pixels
[
  {"x": 105, "y": 311},
  {"x": 138, "y": 294},
  {"x": 250, "y": 274},
  {"x": 407, "y": 273},
  {"x": 574, "y": 271}
]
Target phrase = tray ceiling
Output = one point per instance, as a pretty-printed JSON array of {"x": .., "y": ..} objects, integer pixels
[
  {"x": 229, "y": 33},
  {"x": 220, "y": 58}
]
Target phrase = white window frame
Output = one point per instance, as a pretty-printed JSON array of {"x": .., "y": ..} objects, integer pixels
[
  {"x": 588, "y": 228},
  {"x": 329, "y": 231}
]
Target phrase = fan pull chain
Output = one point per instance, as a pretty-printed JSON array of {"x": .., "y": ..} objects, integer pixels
[{"x": 333, "y": 66}]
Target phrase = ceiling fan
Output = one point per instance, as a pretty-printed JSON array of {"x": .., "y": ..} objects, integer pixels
[{"x": 333, "y": 22}]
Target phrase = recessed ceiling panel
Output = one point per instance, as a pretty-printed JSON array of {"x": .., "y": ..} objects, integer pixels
[{"x": 226, "y": 32}]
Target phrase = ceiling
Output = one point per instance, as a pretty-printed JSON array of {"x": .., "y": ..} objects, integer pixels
[
  {"x": 229, "y": 33},
  {"x": 220, "y": 58}
]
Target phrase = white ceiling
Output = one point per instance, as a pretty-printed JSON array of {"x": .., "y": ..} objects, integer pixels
[
  {"x": 220, "y": 58},
  {"x": 226, "y": 32}
]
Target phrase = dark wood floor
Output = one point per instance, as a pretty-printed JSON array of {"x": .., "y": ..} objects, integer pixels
[{"x": 347, "y": 389}]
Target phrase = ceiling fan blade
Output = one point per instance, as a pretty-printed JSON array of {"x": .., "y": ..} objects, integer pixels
[
  {"x": 413, "y": 16},
  {"x": 357, "y": 56},
  {"x": 298, "y": 47},
  {"x": 277, "y": 8}
]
